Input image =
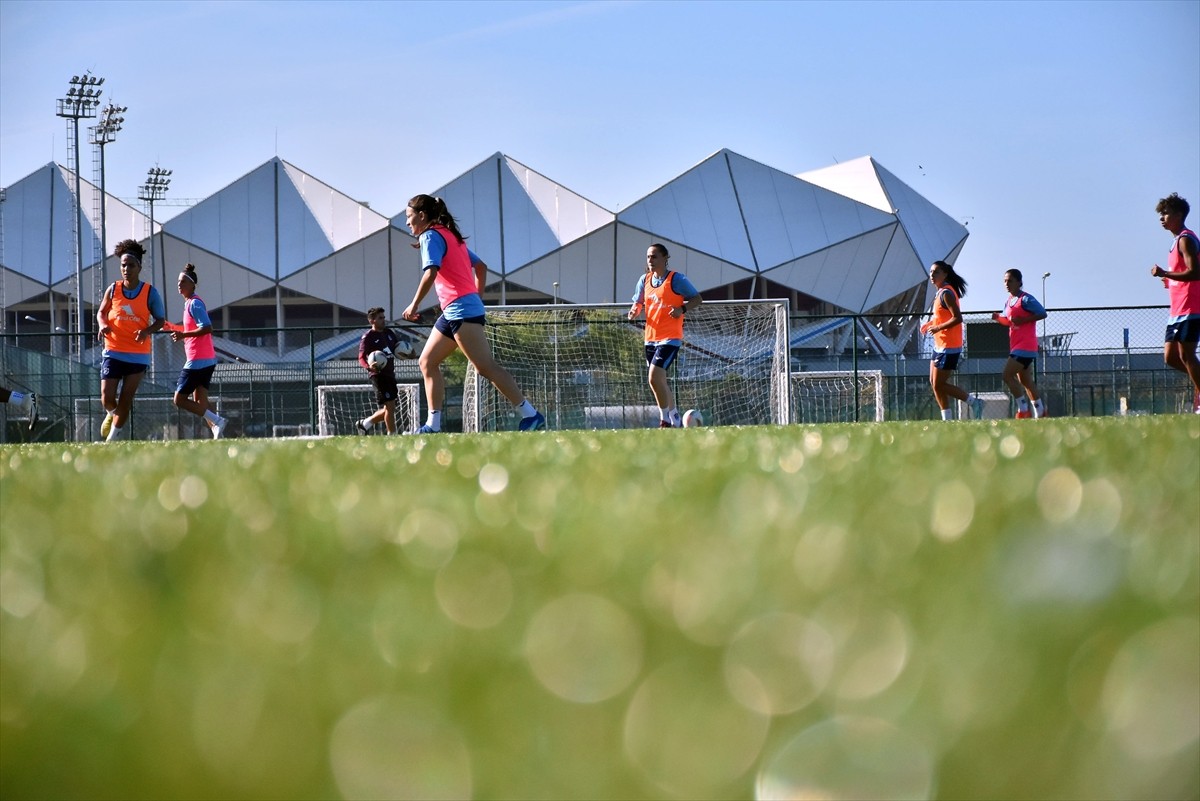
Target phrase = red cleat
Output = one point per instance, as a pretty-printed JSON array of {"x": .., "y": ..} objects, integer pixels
[{"x": 1024, "y": 414}]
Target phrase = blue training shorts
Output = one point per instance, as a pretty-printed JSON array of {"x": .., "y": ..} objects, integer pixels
[
  {"x": 114, "y": 369},
  {"x": 191, "y": 378},
  {"x": 1184, "y": 330},
  {"x": 661, "y": 355},
  {"x": 946, "y": 361}
]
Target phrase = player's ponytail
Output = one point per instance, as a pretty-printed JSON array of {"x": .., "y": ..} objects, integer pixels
[
  {"x": 956, "y": 281},
  {"x": 435, "y": 210},
  {"x": 189, "y": 272}
]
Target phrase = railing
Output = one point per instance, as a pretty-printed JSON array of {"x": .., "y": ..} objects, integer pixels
[{"x": 1095, "y": 362}]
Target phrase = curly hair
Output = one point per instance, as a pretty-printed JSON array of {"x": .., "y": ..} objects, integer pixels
[
  {"x": 1173, "y": 202},
  {"x": 130, "y": 246}
]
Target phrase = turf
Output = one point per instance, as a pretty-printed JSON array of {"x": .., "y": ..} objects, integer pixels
[{"x": 900, "y": 610}]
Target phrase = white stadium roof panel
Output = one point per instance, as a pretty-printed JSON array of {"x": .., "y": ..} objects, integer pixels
[
  {"x": 789, "y": 218},
  {"x": 933, "y": 232},
  {"x": 841, "y": 274},
  {"x": 855, "y": 179},
  {"x": 899, "y": 270},
  {"x": 700, "y": 208}
]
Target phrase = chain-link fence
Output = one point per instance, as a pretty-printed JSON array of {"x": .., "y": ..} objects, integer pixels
[{"x": 1092, "y": 362}]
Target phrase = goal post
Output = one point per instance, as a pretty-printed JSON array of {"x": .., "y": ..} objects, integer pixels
[
  {"x": 837, "y": 396},
  {"x": 340, "y": 406},
  {"x": 584, "y": 366}
]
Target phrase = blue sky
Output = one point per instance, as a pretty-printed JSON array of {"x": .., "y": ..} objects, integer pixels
[{"x": 1051, "y": 128}]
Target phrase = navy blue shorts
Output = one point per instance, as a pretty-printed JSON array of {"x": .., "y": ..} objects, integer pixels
[
  {"x": 1184, "y": 331},
  {"x": 661, "y": 355},
  {"x": 946, "y": 361},
  {"x": 189, "y": 380},
  {"x": 1024, "y": 361},
  {"x": 450, "y": 327},
  {"x": 114, "y": 369}
]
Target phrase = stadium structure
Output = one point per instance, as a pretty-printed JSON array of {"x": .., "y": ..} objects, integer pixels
[{"x": 279, "y": 248}]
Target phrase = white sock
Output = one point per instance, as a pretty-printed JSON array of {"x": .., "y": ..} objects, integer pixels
[
  {"x": 526, "y": 409},
  {"x": 367, "y": 424},
  {"x": 1022, "y": 405},
  {"x": 211, "y": 416},
  {"x": 434, "y": 421},
  {"x": 946, "y": 414},
  {"x": 676, "y": 420},
  {"x": 114, "y": 434},
  {"x": 664, "y": 415},
  {"x": 1039, "y": 408}
]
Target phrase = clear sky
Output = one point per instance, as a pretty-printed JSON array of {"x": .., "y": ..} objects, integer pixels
[{"x": 1051, "y": 128}]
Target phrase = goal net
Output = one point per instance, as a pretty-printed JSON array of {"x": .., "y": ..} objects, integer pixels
[
  {"x": 340, "y": 406},
  {"x": 584, "y": 366},
  {"x": 841, "y": 396},
  {"x": 150, "y": 418}
]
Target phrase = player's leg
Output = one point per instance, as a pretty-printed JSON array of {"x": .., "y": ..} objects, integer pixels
[
  {"x": 1191, "y": 364},
  {"x": 1013, "y": 380},
  {"x": 472, "y": 338},
  {"x": 437, "y": 348},
  {"x": 1029, "y": 385},
  {"x": 120, "y": 415},
  {"x": 389, "y": 416},
  {"x": 660, "y": 384}
]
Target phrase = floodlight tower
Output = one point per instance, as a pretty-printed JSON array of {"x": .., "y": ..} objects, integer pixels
[
  {"x": 102, "y": 133},
  {"x": 155, "y": 188},
  {"x": 83, "y": 97}
]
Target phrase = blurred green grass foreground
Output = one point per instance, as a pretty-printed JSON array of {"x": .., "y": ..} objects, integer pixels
[{"x": 1005, "y": 609}]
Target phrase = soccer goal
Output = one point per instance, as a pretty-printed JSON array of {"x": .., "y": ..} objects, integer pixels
[
  {"x": 340, "y": 406},
  {"x": 150, "y": 418},
  {"x": 584, "y": 366},
  {"x": 837, "y": 396}
]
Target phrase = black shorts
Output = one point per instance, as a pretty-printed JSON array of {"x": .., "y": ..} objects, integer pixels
[
  {"x": 1024, "y": 361},
  {"x": 190, "y": 379},
  {"x": 385, "y": 387},
  {"x": 114, "y": 369}
]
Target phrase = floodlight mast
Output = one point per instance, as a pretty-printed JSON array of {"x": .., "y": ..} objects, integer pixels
[
  {"x": 81, "y": 102},
  {"x": 155, "y": 188},
  {"x": 102, "y": 133}
]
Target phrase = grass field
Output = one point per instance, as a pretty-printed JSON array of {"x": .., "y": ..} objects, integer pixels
[{"x": 1000, "y": 609}]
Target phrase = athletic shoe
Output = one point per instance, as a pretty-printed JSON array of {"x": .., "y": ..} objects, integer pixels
[
  {"x": 535, "y": 423},
  {"x": 106, "y": 426},
  {"x": 358, "y": 424},
  {"x": 428, "y": 430},
  {"x": 218, "y": 428},
  {"x": 977, "y": 409},
  {"x": 665, "y": 424},
  {"x": 33, "y": 411},
  {"x": 1024, "y": 414},
  {"x": 1196, "y": 405}
]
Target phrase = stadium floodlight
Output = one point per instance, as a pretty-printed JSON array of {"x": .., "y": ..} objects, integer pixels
[
  {"x": 102, "y": 133},
  {"x": 155, "y": 188},
  {"x": 81, "y": 102}
]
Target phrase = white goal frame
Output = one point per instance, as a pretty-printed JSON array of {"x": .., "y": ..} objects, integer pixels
[
  {"x": 838, "y": 396},
  {"x": 339, "y": 406},
  {"x": 583, "y": 366}
]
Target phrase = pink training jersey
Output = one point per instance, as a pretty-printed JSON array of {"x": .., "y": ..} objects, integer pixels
[
  {"x": 456, "y": 275},
  {"x": 1022, "y": 339},
  {"x": 197, "y": 348},
  {"x": 1185, "y": 295}
]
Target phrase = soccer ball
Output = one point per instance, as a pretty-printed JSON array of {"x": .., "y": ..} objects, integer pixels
[
  {"x": 692, "y": 418},
  {"x": 377, "y": 359}
]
